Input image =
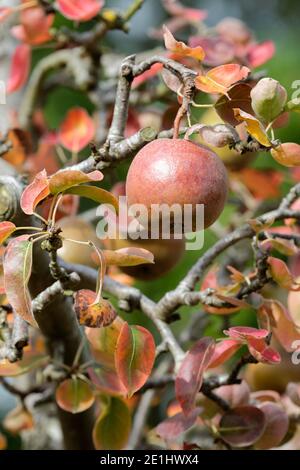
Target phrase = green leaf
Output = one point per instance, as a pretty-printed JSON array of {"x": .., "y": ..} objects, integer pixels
[
  {"x": 112, "y": 428},
  {"x": 99, "y": 195},
  {"x": 293, "y": 105},
  {"x": 66, "y": 179}
]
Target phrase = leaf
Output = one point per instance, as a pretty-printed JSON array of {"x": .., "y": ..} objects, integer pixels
[
  {"x": 286, "y": 247},
  {"x": 262, "y": 352},
  {"x": 106, "y": 380},
  {"x": 235, "y": 394},
  {"x": 78, "y": 10},
  {"x": 30, "y": 361},
  {"x": 3, "y": 440},
  {"x": 128, "y": 257},
  {"x": 172, "y": 427},
  {"x": 6, "y": 229},
  {"x": 91, "y": 314},
  {"x": 262, "y": 185},
  {"x": 277, "y": 424},
  {"x": 242, "y": 426},
  {"x": 237, "y": 97},
  {"x": 180, "y": 48},
  {"x": 243, "y": 333},
  {"x": 17, "y": 267},
  {"x": 95, "y": 194},
  {"x": 21, "y": 146},
  {"x": 112, "y": 428},
  {"x": 217, "y": 50},
  {"x": 188, "y": 381},
  {"x": 224, "y": 350},
  {"x": 19, "y": 69},
  {"x": 259, "y": 54},
  {"x": 17, "y": 420},
  {"x": 77, "y": 130},
  {"x": 287, "y": 154},
  {"x": 283, "y": 328},
  {"x": 254, "y": 127},
  {"x": 171, "y": 80},
  {"x": 281, "y": 274},
  {"x": 35, "y": 192},
  {"x": 293, "y": 105},
  {"x": 63, "y": 180},
  {"x": 134, "y": 356},
  {"x": 220, "y": 79},
  {"x": 35, "y": 26},
  {"x": 74, "y": 395}
]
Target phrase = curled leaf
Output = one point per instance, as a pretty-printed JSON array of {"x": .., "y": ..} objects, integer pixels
[
  {"x": 219, "y": 79},
  {"x": 254, "y": 127},
  {"x": 92, "y": 312},
  {"x": 180, "y": 48},
  {"x": 128, "y": 257},
  {"x": 35, "y": 193},
  {"x": 219, "y": 135},
  {"x": 287, "y": 154},
  {"x": 6, "y": 229},
  {"x": 74, "y": 395}
]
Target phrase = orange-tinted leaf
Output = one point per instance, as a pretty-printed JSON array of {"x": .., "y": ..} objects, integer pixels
[
  {"x": 77, "y": 130},
  {"x": 281, "y": 274},
  {"x": 74, "y": 395},
  {"x": 242, "y": 426},
  {"x": 220, "y": 79},
  {"x": 91, "y": 314},
  {"x": 224, "y": 350},
  {"x": 99, "y": 195},
  {"x": 3, "y": 441},
  {"x": 20, "y": 67},
  {"x": 21, "y": 146},
  {"x": 78, "y": 10},
  {"x": 17, "y": 270},
  {"x": 66, "y": 179},
  {"x": 190, "y": 375},
  {"x": 237, "y": 97},
  {"x": 112, "y": 428},
  {"x": 172, "y": 427},
  {"x": 277, "y": 424},
  {"x": 134, "y": 357},
  {"x": 17, "y": 420},
  {"x": 6, "y": 229},
  {"x": 35, "y": 193},
  {"x": 262, "y": 184},
  {"x": 284, "y": 329},
  {"x": 180, "y": 48},
  {"x": 29, "y": 362},
  {"x": 254, "y": 126},
  {"x": 287, "y": 154},
  {"x": 260, "y": 53},
  {"x": 35, "y": 26},
  {"x": 128, "y": 257}
]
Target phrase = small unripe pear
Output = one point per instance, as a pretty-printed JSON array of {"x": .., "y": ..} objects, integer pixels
[{"x": 268, "y": 99}]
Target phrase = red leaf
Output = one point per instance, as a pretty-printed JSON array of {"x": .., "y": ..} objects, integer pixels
[
  {"x": 262, "y": 352},
  {"x": 6, "y": 229},
  {"x": 260, "y": 53},
  {"x": 172, "y": 427},
  {"x": 35, "y": 26},
  {"x": 19, "y": 69},
  {"x": 77, "y": 130},
  {"x": 281, "y": 274},
  {"x": 277, "y": 424},
  {"x": 244, "y": 333},
  {"x": 190, "y": 375},
  {"x": 78, "y": 10},
  {"x": 91, "y": 314},
  {"x": 134, "y": 356},
  {"x": 242, "y": 426},
  {"x": 35, "y": 193},
  {"x": 224, "y": 351},
  {"x": 17, "y": 270},
  {"x": 217, "y": 50},
  {"x": 220, "y": 79}
]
